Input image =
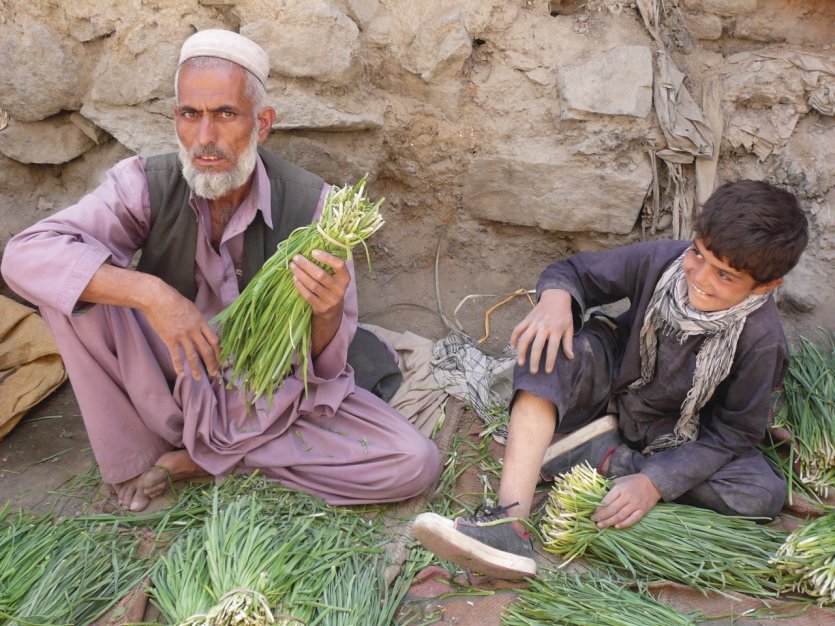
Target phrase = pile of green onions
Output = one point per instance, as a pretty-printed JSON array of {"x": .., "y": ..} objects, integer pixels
[
  {"x": 808, "y": 413},
  {"x": 64, "y": 571},
  {"x": 684, "y": 544},
  {"x": 274, "y": 557},
  {"x": 227, "y": 571},
  {"x": 807, "y": 560},
  {"x": 557, "y": 597},
  {"x": 268, "y": 328}
]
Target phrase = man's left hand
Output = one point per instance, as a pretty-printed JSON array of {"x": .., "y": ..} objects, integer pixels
[
  {"x": 324, "y": 291},
  {"x": 630, "y": 498}
]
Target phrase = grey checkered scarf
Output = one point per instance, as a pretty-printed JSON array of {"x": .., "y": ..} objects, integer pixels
[{"x": 669, "y": 310}]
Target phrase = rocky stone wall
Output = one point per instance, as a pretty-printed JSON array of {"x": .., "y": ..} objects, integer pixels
[{"x": 503, "y": 133}]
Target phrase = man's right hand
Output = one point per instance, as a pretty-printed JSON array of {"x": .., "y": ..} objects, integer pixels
[
  {"x": 173, "y": 317},
  {"x": 184, "y": 332},
  {"x": 549, "y": 326}
]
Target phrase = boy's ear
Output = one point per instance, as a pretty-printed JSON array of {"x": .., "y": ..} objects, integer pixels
[{"x": 764, "y": 288}]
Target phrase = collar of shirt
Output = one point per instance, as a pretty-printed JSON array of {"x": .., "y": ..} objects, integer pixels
[{"x": 258, "y": 199}]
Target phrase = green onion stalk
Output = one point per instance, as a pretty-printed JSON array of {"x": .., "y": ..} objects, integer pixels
[
  {"x": 808, "y": 412},
  {"x": 219, "y": 574},
  {"x": 259, "y": 559},
  {"x": 781, "y": 455},
  {"x": 557, "y": 597},
  {"x": 89, "y": 568},
  {"x": 26, "y": 543},
  {"x": 684, "y": 544},
  {"x": 807, "y": 560},
  {"x": 266, "y": 332}
]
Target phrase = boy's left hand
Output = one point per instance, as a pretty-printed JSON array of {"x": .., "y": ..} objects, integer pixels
[{"x": 630, "y": 498}]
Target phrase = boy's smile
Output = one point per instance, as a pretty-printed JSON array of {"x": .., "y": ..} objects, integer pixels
[{"x": 713, "y": 285}]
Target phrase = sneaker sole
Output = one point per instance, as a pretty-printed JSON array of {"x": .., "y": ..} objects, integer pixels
[
  {"x": 579, "y": 437},
  {"x": 438, "y": 535}
]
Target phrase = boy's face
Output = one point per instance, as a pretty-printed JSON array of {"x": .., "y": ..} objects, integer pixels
[{"x": 713, "y": 285}]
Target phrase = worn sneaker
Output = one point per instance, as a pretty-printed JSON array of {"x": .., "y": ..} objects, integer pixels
[
  {"x": 591, "y": 443},
  {"x": 485, "y": 542}
]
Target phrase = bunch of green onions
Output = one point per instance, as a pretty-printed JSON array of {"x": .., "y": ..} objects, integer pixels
[
  {"x": 64, "y": 571},
  {"x": 808, "y": 412},
  {"x": 781, "y": 455},
  {"x": 222, "y": 573},
  {"x": 268, "y": 328},
  {"x": 807, "y": 560},
  {"x": 688, "y": 545},
  {"x": 26, "y": 542},
  {"x": 270, "y": 557},
  {"x": 557, "y": 597}
]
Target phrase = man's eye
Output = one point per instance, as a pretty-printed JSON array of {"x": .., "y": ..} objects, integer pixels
[{"x": 227, "y": 115}]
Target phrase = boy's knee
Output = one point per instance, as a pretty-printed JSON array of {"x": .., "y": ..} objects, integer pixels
[{"x": 756, "y": 501}]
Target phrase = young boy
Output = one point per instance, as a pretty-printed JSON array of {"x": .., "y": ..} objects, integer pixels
[{"x": 689, "y": 370}]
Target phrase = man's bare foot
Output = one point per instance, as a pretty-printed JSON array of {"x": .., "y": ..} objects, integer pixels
[
  {"x": 129, "y": 494},
  {"x": 169, "y": 468},
  {"x": 135, "y": 494}
]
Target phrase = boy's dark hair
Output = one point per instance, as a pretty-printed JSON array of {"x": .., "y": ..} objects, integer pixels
[{"x": 754, "y": 227}]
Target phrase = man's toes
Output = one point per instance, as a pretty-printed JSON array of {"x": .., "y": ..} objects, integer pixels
[
  {"x": 124, "y": 494},
  {"x": 139, "y": 502},
  {"x": 155, "y": 482}
]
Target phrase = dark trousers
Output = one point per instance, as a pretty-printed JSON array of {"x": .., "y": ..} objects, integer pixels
[{"x": 581, "y": 390}]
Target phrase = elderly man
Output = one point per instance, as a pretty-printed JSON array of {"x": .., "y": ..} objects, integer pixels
[{"x": 143, "y": 360}]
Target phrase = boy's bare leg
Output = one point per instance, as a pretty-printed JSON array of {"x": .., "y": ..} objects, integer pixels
[
  {"x": 135, "y": 494},
  {"x": 492, "y": 541},
  {"x": 532, "y": 424}
]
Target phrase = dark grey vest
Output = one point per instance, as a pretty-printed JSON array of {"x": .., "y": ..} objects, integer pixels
[{"x": 170, "y": 248}]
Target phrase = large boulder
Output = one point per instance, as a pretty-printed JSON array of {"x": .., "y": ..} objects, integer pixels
[
  {"x": 310, "y": 40},
  {"x": 139, "y": 63},
  {"x": 43, "y": 72},
  {"x": 617, "y": 83},
  {"x": 51, "y": 141},
  {"x": 141, "y": 130},
  {"x": 440, "y": 47},
  {"x": 559, "y": 192}
]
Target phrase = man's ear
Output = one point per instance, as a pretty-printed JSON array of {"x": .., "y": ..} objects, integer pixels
[
  {"x": 768, "y": 287},
  {"x": 265, "y": 122}
]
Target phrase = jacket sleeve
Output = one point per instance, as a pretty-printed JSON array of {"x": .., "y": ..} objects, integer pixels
[
  {"x": 732, "y": 423},
  {"x": 51, "y": 262},
  {"x": 597, "y": 278}
]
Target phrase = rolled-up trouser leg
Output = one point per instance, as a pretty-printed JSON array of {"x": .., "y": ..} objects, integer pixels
[
  {"x": 748, "y": 485},
  {"x": 580, "y": 388}
]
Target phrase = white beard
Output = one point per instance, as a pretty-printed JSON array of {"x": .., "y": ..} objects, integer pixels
[{"x": 213, "y": 185}]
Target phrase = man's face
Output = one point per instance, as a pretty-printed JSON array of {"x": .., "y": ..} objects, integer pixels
[
  {"x": 216, "y": 129},
  {"x": 713, "y": 285}
]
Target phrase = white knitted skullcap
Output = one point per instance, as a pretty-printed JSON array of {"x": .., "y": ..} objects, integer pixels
[{"x": 225, "y": 44}]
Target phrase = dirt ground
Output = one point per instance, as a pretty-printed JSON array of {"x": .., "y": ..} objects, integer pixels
[{"x": 46, "y": 465}]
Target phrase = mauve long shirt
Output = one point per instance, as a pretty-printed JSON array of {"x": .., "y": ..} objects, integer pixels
[{"x": 351, "y": 447}]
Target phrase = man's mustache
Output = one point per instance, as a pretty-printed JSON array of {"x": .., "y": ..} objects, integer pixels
[{"x": 209, "y": 150}]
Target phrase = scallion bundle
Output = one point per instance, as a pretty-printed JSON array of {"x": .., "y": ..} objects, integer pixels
[
  {"x": 807, "y": 560},
  {"x": 557, "y": 597},
  {"x": 64, "y": 571},
  {"x": 268, "y": 328},
  {"x": 269, "y": 558},
  {"x": 684, "y": 544},
  {"x": 808, "y": 412},
  {"x": 224, "y": 572}
]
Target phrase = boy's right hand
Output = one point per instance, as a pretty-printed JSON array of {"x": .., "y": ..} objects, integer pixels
[{"x": 548, "y": 326}]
